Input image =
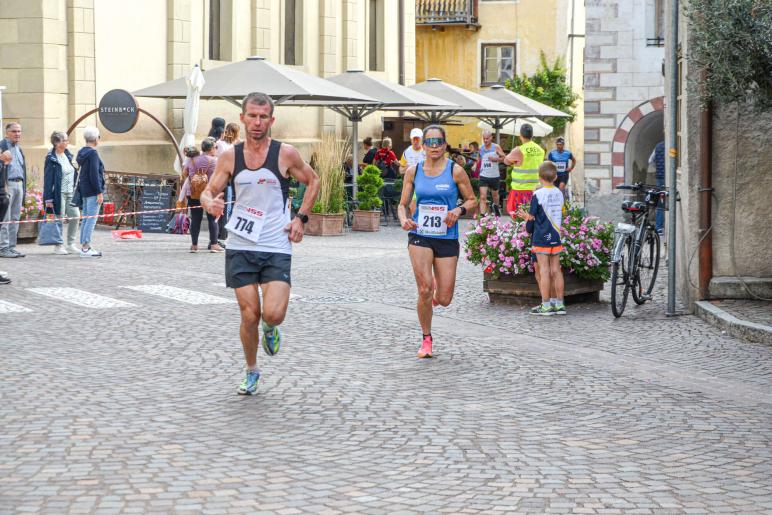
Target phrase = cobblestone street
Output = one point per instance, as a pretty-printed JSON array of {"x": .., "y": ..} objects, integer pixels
[{"x": 118, "y": 385}]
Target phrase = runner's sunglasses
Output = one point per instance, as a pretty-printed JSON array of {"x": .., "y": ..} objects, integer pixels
[{"x": 434, "y": 142}]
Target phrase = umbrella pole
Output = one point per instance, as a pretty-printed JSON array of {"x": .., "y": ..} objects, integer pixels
[
  {"x": 355, "y": 155},
  {"x": 498, "y": 132}
]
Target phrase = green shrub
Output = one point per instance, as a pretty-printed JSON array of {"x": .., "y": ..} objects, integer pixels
[
  {"x": 732, "y": 41},
  {"x": 369, "y": 184}
]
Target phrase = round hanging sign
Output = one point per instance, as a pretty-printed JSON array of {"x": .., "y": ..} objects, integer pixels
[{"x": 118, "y": 111}]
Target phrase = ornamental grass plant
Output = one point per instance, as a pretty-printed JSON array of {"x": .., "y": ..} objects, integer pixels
[
  {"x": 503, "y": 247},
  {"x": 329, "y": 155}
]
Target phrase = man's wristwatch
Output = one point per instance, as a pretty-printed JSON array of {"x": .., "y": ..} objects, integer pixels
[
  {"x": 463, "y": 210},
  {"x": 303, "y": 218}
]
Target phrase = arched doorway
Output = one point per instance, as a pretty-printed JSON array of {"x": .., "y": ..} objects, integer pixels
[{"x": 635, "y": 139}]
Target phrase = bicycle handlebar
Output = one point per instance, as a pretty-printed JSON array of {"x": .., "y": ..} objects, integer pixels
[{"x": 639, "y": 186}]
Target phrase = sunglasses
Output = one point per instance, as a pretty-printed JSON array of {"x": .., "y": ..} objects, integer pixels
[{"x": 434, "y": 142}]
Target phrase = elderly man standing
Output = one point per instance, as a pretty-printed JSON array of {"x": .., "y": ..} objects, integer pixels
[{"x": 16, "y": 167}]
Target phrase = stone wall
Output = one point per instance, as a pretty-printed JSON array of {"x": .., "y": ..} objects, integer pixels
[
  {"x": 621, "y": 73},
  {"x": 742, "y": 183}
]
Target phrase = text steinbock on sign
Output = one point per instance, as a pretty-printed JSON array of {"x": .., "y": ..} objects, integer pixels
[{"x": 118, "y": 111}]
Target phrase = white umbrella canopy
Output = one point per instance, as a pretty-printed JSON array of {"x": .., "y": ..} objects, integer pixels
[
  {"x": 195, "y": 82},
  {"x": 390, "y": 97},
  {"x": 470, "y": 103},
  {"x": 529, "y": 106},
  {"x": 283, "y": 84},
  {"x": 540, "y": 128}
]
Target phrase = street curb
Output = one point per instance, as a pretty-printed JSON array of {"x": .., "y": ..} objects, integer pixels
[{"x": 716, "y": 316}]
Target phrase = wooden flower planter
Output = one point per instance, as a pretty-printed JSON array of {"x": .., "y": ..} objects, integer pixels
[
  {"x": 324, "y": 225},
  {"x": 28, "y": 233},
  {"x": 523, "y": 289},
  {"x": 368, "y": 221}
]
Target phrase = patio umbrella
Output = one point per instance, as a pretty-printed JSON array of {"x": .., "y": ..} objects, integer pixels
[
  {"x": 540, "y": 128},
  {"x": 285, "y": 85},
  {"x": 195, "y": 82},
  {"x": 469, "y": 103},
  {"x": 529, "y": 106},
  {"x": 389, "y": 97}
]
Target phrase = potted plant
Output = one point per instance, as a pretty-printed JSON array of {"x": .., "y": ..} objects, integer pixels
[
  {"x": 32, "y": 209},
  {"x": 502, "y": 249},
  {"x": 326, "y": 217},
  {"x": 368, "y": 216}
]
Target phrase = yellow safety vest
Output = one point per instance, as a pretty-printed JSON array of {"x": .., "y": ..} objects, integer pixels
[{"x": 526, "y": 176}]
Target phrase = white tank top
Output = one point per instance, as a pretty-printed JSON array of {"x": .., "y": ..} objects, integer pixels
[
  {"x": 267, "y": 190},
  {"x": 488, "y": 168}
]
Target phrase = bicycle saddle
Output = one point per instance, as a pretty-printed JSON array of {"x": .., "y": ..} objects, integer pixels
[{"x": 631, "y": 206}]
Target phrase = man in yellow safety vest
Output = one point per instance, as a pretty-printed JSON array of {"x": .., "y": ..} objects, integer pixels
[{"x": 525, "y": 161}]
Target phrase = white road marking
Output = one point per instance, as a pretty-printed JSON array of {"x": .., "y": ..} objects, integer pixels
[
  {"x": 81, "y": 298},
  {"x": 180, "y": 294},
  {"x": 10, "y": 307}
]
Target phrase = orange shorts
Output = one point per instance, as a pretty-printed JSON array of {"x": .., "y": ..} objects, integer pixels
[{"x": 550, "y": 251}]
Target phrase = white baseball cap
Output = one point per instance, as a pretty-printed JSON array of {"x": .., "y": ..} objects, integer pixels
[{"x": 415, "y": 132}]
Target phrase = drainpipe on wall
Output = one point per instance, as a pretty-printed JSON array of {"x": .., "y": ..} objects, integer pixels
[
  {"x": 706, "y": 197},
  {"x": 401, "y": 40},
  {"x": 672, "y": 178}
]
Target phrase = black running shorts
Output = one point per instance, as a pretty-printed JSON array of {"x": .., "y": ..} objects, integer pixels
[
  {"x": 245, "y": 267},
  {"x": 440, "y": 247},
  {"x": 561, "y": 178},
  {"x": 490, "y": 182}
]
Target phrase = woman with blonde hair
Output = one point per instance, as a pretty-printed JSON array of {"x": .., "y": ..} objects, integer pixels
[{"x": 229, "y": 138}]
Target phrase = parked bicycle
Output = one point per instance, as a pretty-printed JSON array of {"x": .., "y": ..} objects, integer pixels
[{"x": 635, "y": 257}]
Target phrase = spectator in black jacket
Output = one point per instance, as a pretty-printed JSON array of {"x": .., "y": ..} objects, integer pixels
[
  {"x": 91, "y": 186},
  {"x": 59, "y": 187}
]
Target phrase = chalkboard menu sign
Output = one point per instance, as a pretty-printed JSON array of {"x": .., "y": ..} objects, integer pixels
[{"x": 155, "y": 197}]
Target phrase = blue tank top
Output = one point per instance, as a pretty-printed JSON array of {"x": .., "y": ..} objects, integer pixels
[{"x": 440, "y": 190}]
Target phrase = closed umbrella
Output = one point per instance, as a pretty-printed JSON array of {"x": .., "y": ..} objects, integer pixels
[{"x": 195, "y": 82}]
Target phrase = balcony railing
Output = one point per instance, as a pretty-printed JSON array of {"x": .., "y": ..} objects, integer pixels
[{"x": 446, "y": 12}]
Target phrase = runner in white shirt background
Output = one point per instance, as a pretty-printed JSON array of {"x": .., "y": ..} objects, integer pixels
[
  {"x": 412, "y": 156},
  {"x": 490, "y": 157}
]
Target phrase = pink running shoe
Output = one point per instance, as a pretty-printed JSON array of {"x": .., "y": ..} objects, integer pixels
[{"x": 426, "y": 348}]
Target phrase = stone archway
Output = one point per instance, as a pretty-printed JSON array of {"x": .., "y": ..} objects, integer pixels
[{"x": 637, "y": 135}]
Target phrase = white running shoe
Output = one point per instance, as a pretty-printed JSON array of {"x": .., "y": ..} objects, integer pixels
[
  {"x": 90, "y": 252},
  {"x": 73, "y": 249},
  {"x": 60, "y": 250}
]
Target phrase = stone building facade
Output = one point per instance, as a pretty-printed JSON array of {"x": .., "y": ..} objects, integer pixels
[
  {"x": 58, "y": 57},
  {"x": 623, "y": 96}
]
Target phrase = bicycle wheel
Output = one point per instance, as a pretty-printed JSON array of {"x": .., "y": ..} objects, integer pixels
[
  {"x": 646, "y": 267},
  {"x": 619, "y": 288}
]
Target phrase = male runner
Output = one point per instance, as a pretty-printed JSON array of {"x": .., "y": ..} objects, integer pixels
[
  {"x": 564, "y": 161},
  {"x": 490, "y": 157},
  {"x": 260, "y": 232}
]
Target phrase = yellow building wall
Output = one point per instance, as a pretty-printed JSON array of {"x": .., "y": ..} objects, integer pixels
[{"x": 454, "y": 54}]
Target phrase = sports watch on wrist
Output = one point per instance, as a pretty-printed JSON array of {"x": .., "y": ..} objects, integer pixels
[
  {"x": 463, "y": 210},
  {"x": 303, "y": 218}
]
